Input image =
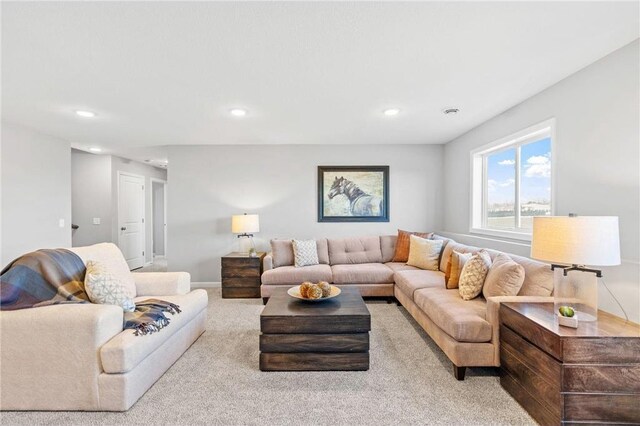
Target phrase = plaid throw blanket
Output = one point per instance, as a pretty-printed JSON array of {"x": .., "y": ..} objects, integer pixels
[{"x": 51, "y": 277}]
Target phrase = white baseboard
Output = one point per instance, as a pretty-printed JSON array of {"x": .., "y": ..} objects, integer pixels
[{"x": 206, "y": 284}]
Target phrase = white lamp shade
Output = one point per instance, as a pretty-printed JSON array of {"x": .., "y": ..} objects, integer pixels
[
  {"x": 245, "y": 223},
  {"x": 579, "y": 240}
]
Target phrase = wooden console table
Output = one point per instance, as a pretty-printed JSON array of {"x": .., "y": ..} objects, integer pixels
[{"x": 563, "y": 375}]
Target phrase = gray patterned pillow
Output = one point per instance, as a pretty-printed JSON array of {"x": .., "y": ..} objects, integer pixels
[
  {"x": 105, "y": 288},
  {"x": 473, "y": 275},
  {"x": 305, "y": 253}
]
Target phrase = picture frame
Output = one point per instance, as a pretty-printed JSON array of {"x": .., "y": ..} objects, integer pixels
[{"x": 353, "y": 193}]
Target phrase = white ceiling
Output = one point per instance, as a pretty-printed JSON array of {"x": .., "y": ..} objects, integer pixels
[{"x": 167, "y": 73}]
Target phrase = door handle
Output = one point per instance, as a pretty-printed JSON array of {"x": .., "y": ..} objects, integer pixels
[{"x": 124, "y": 228}]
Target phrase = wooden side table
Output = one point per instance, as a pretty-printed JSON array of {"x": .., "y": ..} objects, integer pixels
[
  {"x": 563, "y": 375},
  {"x": 241, "y": 275}
]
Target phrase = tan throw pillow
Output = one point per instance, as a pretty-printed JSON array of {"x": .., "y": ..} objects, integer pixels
[
  {"x": 105, "y": 288},
  {"x": 402, "y": 244},
  {"x": 473, "y": 275},
  {"x": 282, "y": 253},
  {"x": 456, "y": 264},
  {"x": 505, "y": 277},
  {"x": 424, "y": 253}
]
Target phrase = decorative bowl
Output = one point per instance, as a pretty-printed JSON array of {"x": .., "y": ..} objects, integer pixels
[{"x": 295, "y": 292}]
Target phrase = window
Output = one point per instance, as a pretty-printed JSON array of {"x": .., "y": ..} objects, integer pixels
[{"x": 512, "y": 182}]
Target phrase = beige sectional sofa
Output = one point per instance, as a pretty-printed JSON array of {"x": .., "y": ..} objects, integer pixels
[
  {"x": 466, "y": 331},
  {"x": 78, "y": 357}
]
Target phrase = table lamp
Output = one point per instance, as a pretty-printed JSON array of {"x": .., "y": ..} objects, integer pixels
[
  {"x": 570, "y": 243},
  {"x": 245, "y": 225}
]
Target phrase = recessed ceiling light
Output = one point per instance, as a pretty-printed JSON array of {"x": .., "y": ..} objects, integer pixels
[
  {"x": 451, "y": 111},
  {"x": 238, "y": 112},
  {"x": 85, "y": 114},
  {"x": 95, "y": 149},
  {"x": 391, "y": 111}
]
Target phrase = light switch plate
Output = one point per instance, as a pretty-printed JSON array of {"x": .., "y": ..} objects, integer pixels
[
  {"x": 96, "y": 221},
  {"x": 61, "y": 223}
]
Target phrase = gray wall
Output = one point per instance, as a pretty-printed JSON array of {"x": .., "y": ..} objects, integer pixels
[
  {"x": 158, "y": 217},
  {"x": 91, "y": 197},
  {"x": 596, "y": 160},
  {"x": 95, "y": 194},
  {"x": 125, "y": 165},
  {"x": 211, "y": 183},
  {"x": 35, "y": 187}
]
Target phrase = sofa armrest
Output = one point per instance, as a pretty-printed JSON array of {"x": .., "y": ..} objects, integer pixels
[
  {"x": 267, "y": 262},
  {"x": 493, "y": 315},
  {"x": 50, "y": 355},
  {"x": 162, "y": 283}
]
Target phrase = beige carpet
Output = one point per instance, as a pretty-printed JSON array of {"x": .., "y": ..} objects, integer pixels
[
  {"x": 159, "y": 265},
  {"x": 217, "y": 381}
]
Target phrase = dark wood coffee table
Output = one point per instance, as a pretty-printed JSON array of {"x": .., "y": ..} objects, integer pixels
[{"x": 315, "y": 336}]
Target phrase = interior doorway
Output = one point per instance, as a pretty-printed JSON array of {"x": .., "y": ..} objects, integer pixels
[
  {"x": 159, "y": 218},
  {"x": 131, "y": 232}
]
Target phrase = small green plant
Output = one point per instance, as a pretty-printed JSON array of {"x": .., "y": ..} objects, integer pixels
[{"x": 566, "y": 311}]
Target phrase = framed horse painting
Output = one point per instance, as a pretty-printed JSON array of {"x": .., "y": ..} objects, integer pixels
[{"x": 353, "y": 193}]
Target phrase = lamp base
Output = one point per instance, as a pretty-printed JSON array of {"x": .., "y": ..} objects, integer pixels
[
  {"x": 577, "y": 289},
  {"x": 248, "y": 248}
]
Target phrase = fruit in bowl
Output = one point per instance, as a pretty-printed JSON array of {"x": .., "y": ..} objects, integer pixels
[
  {"x": 325, "y": 287},
  {"x": 314, "y": 291}
]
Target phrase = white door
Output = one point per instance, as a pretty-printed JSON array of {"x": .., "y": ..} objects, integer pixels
[{"x": 131, "y": 218}]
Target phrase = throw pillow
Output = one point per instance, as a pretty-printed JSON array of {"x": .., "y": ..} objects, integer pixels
[
  {"x": 282, "y": 253},
  {"x": 111, "y": 257},
  {"x": 473, "y": 275},
  {"x": 105, "y": 288},
  {"x": 305, "y": 253},
  {"x": 402, "y": 244},
  {"x": 505, "y": 277},
  {"x": 424, "y": 253},
  {"x": 456, "y": 264}
]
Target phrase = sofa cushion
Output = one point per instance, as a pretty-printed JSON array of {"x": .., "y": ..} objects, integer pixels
[
  {"x": 362, "y": 273},
  {"x": 424, "y": 253},
  {"x": 411, "y": 280},
  {"x": 538, "y": 277},
  {"x": 454, "y": 269},
  {"x": 104, "y": 288},
  {"x": 505, "y": 277},
  {"x": 125, "y": 351},
  {"x": 344, "y": 251},
  {"x": 465, "y": 321},
  {"x": 445, "y": 243},
  {"x": 111, "y": 257},
  {"x": 282, "y": 252},
  {"x": 290, "y": 275},
  {"x": 399, "y": 266},
  {"x": 388, "y": 247},
  {"x": 473, "y": 274},
  {"x": 449, "y": 248},
  {"x": 305, "y": 253},
  {"x": 402, "y": 244}
]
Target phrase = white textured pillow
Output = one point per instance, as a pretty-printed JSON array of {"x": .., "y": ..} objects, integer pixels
[
  {"x": 424, "y": 253},
  {"x": 105, "y": 288},
  {"x": 305, "y": 253},
  {"x": 473, "y": 275},
  {"x": 111, "y": 257}
]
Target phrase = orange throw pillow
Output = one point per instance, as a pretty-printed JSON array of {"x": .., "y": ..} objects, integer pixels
[{"x": 402, "y": 244}]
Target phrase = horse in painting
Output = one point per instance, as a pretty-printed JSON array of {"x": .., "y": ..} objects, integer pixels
[{"x": 361, "y": 203}]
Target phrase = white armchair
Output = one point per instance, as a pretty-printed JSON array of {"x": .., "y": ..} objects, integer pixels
[{"x": 78, "y": 357}]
